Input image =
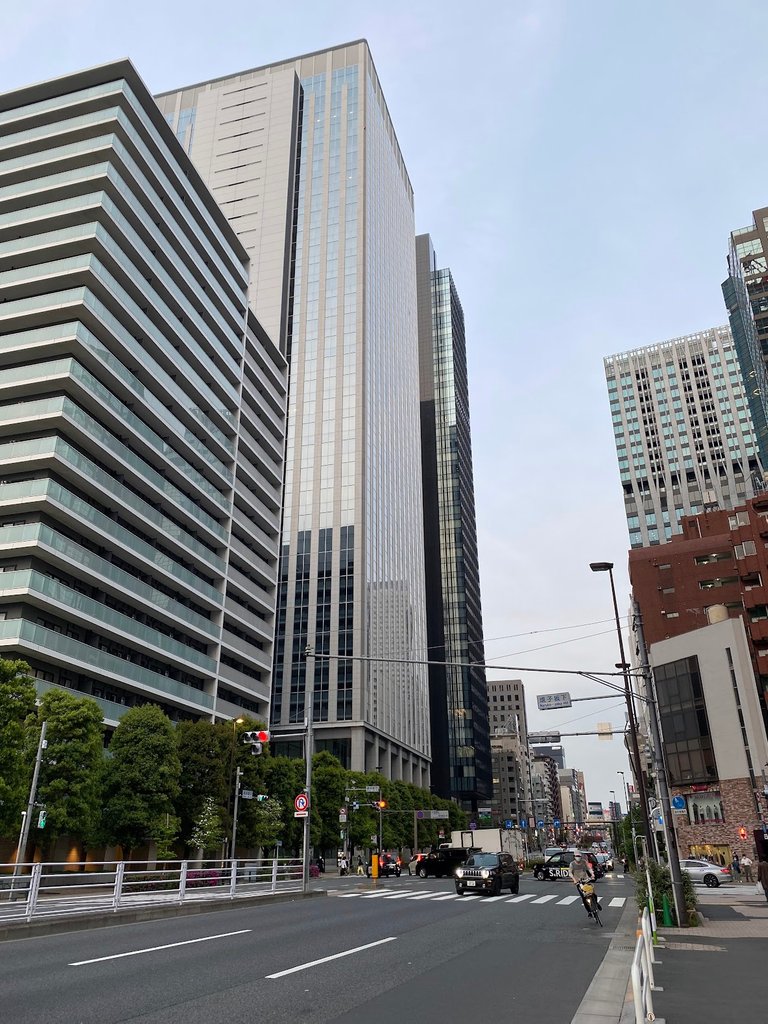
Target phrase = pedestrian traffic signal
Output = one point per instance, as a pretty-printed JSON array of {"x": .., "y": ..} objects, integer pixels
[
  {"x": 41, "y": 819},
  {"x": 256, "y": 748},
  {"x": 742, "y": 833},
  {"x": 262, "y": 796}
]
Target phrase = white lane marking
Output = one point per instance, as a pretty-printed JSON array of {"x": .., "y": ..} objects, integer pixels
[
  {"x": 423, "y": 896},
  {"x": 545, "y": 899},
  {"x": 327, "y": 959},
  {"x": 519, "y": 899},
  {"x": 347, "y": 895},
  {"x": 448, "y": 896},
  {"x": 471, "y": 896},
  {"x": 397, "y": 896},
  {"x": 568, "y": 900},
  {"x": 493, "y": 899},
  {"x": 154, "y": 949},
  {"x": 619, "y": 901},
  {"x": 376, "y": 895}
]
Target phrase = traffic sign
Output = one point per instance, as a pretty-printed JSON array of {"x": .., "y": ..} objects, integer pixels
[
  {"x": 342, "y": 810},
  {"x": 342, "y": 819},
  {"x": 301, "y": 802},
  {"x": 536, "y": 738},
  {"x": 556, "y": 822},
  {"x": 301, "y": 814},
  {"x": 678, "y": 802},
  {"x": 246, "y": 794},
  {"x": 548, "y": 701},
  {"x": 540, "y": 824},
  {"x": 473, "y": 825},
  {"x": 523, "y": 823},
  {"x": 508, "y": 823}
]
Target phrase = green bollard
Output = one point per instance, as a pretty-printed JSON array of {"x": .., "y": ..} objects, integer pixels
[{"x": 667, "y": 921}]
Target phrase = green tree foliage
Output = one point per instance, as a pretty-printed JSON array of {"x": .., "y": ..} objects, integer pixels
[
  {"x": 17, "y": 702},
  {"x": 328, "y": 788},
  {"x": 262, "y": 823},
  {"x": 283, "y": 779},
  {"x": 661, "y": 884},
  {"x": 205, "y": 752},
  {"x": 208, "y": 831},
  {"x": 69, "y": 786},
  {"x": 141, "y": 778}
]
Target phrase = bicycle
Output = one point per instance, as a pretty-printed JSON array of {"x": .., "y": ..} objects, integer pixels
[{"x": 590, "y": 900}]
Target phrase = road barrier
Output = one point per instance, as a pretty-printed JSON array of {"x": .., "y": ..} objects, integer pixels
[
  {"x": 41, "y": 890},
  {"x": 641, "y": 972}
]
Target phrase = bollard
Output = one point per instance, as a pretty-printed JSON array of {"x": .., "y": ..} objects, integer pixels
[{"x": 667, "y": 921}]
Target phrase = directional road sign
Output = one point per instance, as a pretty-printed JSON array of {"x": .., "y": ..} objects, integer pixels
[
  {"x": 508, "y": 823},
  {"x": 539, "y": 824},
  {"x": 523, "y": 823},
  {"x": 556, "y": 822}
]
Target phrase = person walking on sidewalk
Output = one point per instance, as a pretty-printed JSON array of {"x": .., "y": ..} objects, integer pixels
[
  {"x": 746, "y": 867},
  {"x": 736, "y": 868},
  {"x": 762, "y": 875}
]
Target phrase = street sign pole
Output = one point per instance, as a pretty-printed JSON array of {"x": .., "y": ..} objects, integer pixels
[
  {"x": 238, "y": 776},
  {"x": 27, "y": 818}
]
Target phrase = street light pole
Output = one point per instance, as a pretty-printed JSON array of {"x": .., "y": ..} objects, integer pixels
[
  {"x": 608, "y": 567},
  {"x": 26, "y": 819},
  {"x": 629, "y": 812},
  {"x": 309, "y": 691}
]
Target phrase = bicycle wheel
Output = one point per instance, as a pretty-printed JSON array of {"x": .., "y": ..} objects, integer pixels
[{"x": 596, "y": 914}]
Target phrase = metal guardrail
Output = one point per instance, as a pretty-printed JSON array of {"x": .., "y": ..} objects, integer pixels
[
  {"x": 46, "y": 890},
  {"x": 641, "y": 972}
]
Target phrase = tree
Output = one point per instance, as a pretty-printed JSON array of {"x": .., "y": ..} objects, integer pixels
[
  {"x": 69, "y": 786},
  {"x": 141, "y": 778},
  {"x": 208, "y": 831},
  {"x": 261, "y": 824},
  {"x": 17, "y": 702},
  {"x": 328, "y": 789},
  {"x": 204, "y": 754}
]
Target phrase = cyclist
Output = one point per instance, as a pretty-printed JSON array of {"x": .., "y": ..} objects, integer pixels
[{"x": 580, "y": 871}]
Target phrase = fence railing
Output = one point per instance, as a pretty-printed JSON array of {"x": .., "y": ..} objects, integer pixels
[
  {"x": 641, "y": 972},
  {"x": 30, "y": 891}
]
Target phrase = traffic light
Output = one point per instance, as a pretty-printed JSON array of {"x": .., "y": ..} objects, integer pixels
[
  {"x": 256, "y": 738},
  {"x": 742, "y": 833},
  {"x": 381, "y": 804},
  {"x": 256, "y": 748},
  {"x": 41, "y": 819},
  {"x": 262, "y": 796}
]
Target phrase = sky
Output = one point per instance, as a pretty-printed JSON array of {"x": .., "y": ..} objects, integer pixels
[{"x": 579, "y": 166}]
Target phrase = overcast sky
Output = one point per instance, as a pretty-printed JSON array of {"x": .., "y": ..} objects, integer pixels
[{"x": 579, "y": 165}]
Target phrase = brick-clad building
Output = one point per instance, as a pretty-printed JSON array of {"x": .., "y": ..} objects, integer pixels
[{"x": 704, "y": 609}]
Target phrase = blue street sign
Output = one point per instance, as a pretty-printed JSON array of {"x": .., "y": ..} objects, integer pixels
[
  {"x": 508, "y": 823},
  {"x": 540, "y": 824},
  {"x": 678, "y": 802},
  {"x": 523, "y": 823},
  {"x": 556, "y": 823},
  {"x": 473, "y": 825}
]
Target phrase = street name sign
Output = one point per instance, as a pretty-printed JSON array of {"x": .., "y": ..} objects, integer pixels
[{"x": 549, "y": 701}]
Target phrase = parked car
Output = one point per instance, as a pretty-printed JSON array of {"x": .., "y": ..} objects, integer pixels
[
  {"x": 558, "y": 865},
  {"x": 443, "y": 862},
  {"x": 704, "y": 871},
  {"x": 488, "y": 873},
  {"x": 413, "y": 863},
  {"x": 389, "y": 864}
]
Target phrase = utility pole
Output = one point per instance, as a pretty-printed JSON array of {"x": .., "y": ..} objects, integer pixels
[
  {"x": 238, "y": 776},
  {"x": 309, "y": 696},
  {"x": 660, "y": 768},
  {"x": 26, "y": 817}
]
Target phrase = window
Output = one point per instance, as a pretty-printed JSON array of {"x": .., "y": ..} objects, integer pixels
[
  {"x": 740, "y": 519},
  {"x": 744, "y": 549},
  {"x": 685, "y": 725}
]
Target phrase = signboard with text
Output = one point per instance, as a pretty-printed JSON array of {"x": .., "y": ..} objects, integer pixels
[{"x": 548, "y": 701}]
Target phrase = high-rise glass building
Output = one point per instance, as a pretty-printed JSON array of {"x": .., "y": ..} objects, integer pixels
[
  {"x": 461, "y": 765},
  {"x": 142, "y": 418},
  {"x": 684, "y": 435},
  {"x": 303, "y": 158},
  {"x": 746, "y": 297}
]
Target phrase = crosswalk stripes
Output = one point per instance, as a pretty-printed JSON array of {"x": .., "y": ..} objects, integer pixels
[{"x": 441, "y": 897}]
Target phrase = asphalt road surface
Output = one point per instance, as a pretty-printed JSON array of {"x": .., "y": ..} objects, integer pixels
[{"x": 404, "y": 949}]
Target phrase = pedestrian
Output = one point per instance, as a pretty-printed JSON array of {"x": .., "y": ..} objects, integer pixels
[
  {"x": 746, "y": 867},
  {"x": 343, "y": 865},
  {"x": 762, "y": 875},
  {"x": 321, "y": 864},
  {"x": 360, "y": 866},
  {"x": 736, "y": 868},
  {"x": 625, "y": 862}
]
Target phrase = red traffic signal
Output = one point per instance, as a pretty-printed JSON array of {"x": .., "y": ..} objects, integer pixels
[
  {"x": 742, "y": 833},
  {"x": 262, "y": 735}
]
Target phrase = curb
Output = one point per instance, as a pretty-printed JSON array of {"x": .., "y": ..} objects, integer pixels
[
  {"x": 605, "y": 999},
  {"x": 83, "y": 922}
]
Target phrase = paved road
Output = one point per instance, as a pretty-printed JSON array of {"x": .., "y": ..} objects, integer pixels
[{"x": 396, "y": 949}]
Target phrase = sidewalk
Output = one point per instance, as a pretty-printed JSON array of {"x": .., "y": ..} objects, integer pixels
[{"x": 716, "y": 972}]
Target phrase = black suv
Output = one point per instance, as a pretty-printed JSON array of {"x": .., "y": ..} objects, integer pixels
[
  {"x": 488, "y": 873},
  {"x": 558, "y": 866},
  {"x": 443, "y": 862}
]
